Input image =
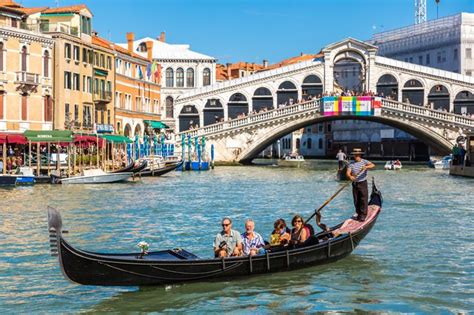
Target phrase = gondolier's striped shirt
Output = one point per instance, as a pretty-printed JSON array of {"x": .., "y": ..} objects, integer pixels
[{"x": 355, "y": 168}]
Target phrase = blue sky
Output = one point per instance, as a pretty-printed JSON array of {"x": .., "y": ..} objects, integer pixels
[{"x": 253, "y": 30}]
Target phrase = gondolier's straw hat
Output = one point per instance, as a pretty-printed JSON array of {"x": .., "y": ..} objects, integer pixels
[{"x": 357, "y": 151}]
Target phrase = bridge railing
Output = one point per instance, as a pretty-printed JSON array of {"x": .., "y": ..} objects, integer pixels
[
  {"x": 428, "y": 113},
  {"x": 252, "y": 118}
]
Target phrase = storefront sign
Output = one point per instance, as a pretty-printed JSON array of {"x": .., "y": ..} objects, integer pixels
[{"x": 103, "y": 128}]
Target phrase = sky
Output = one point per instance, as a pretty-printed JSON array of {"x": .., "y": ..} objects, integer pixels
[{"x": 253, "y": 30}]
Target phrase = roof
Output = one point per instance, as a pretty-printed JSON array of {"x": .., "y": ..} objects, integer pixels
[
  {"x": 9, "y": 3},
  {"x": 29, "y": 11},
  {"x": 125, "y": 51},
  {"x": 302, "y": 57},
  {"x": 222, "y": 70},
  {"x": 67, "y": 9},
  {"x": 10, "y": 9},
  {"x": 163, "y": 50},
  {"x": 102, "y": 42}
]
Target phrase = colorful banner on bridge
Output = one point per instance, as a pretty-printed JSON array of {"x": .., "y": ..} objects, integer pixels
[{"x": 348, "y": 105}]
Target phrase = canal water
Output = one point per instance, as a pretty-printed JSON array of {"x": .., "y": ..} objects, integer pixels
[{"x": 418, "y": 258}]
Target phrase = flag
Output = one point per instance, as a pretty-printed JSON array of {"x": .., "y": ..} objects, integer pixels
[
  {"x": 148, "y": 71},
  {"x": 140, "y": 73}
]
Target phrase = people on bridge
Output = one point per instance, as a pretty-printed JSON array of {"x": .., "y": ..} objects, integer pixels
[
  {"x": 228, "y": 242},
  {"x": 281, "y": 234},
  {"x": 357, "y": 173},
  {"x": 341, "y": 158},
  {"x": 252, "y": 242}
]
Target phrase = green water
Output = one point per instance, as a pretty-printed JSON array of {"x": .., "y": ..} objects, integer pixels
[{"x": 418, "y": 258}]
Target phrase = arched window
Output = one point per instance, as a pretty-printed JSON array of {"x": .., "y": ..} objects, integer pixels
[
  {"x": 309, "y": 143},
  {"x": 169, "y": 77},
  {"x": 206, "y": 77},
  {"x": 169, "y": 107},
  {"x": 23, "y": 58},
  {"x": 180, "y": 77},
  {"x": 46, "y": 64},
  {"x": 1, "y": 56},
  {"x": 190, "y": 77},
  {"x": 320, "y": 144}
]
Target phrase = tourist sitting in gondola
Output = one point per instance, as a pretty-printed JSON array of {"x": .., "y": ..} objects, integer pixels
[
  {"x": 228, "y": 242},
  {"x": 252, "y": 242},
  {"x": 281, "y": 235},
  {"x": 300, "y": 232}
]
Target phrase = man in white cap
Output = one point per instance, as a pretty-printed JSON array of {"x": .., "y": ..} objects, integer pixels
[{"x": 357, "y": 173}]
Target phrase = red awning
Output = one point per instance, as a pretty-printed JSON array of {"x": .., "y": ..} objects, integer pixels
[
  {"x": 16, "y": 139},
  {"x": 3, "y": 139},
  {"x": 85, "y": 141}
]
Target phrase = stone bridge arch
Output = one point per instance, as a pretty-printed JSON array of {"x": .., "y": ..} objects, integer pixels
[{"x": 258, "y": 141}]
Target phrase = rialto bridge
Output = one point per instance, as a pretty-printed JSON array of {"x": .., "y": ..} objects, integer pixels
[{"x": 221, "y": 111}]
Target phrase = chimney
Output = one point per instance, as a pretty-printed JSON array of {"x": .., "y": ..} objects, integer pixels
[
  {"x": 149, "y": 50},
  {"x": 229, "y": 71},
  {"x": 162, "y": 37},
  {"x": 265, "y": 63},
  {"x": 130, "y": 39},
  {"x": 95, "y": 33},
  {"x": 301, "y": 54}
]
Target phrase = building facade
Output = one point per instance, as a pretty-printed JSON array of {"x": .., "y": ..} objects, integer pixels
[
  {"x": 180, "y": 71},
  {"x": 26, "y": 72},
  {"x": 137, "y": 91},
  {"x": 446, "y": 43}
]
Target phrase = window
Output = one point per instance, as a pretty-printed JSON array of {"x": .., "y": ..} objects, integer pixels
[
  {"x": 108, "y": 116},
  {"x": 406, "y": 60},
  {"x": 96, "y": 86},
  {"x": 420, "y": 60},
  {"x": 137, "y": 104},
  {"x": 91, "y": 56},
  {"x": 1, "y": 56},
  {"x": 468, "y": 53},
  {"x": 86, "y": 116},
  {"x": 468, "y": 72},
  {"x": 109, "y": 63},
  {"x": 190, "y": 77},
  {"x": 67, "y": 51},
  {"x": 84, "y": 85},
  {"x": 48, "y": 109},
  {"x": 24, "y": 53},
  {"x": 206, "y": 77},
  {"x": 169, "y": 77},
  {"x": 455, "y": 54},
  {"x": 180, "y": 77},
  {"x": 86, "y": 25},
  {"x": 24, "y": 107},
  {"x": 76, "y": 82},
  {"x": 438, "y": 57},
  {"x": 102, "y": 60},
  {"x": 46, "y": 64},
  {"x": 67, "y": 80},
  {"x": 320, "y": 144},
  {"x": 76, "y": 53},
  {"x": 329, "y": 127},
  {"x": 76, "y": 112},
  {"x": 309, "y": 143},
  {"x": 411, "y": 59},
  {"x": 89, "y": 85},
  {"x": 109, "y": 86},
  {"x": 96, "y": 59},
  {"x": 66, "y": 112},
  {"x": 427, "y": 59},
  {"x": 84, "y": 55},
  {"x": 102, "y": 112}
]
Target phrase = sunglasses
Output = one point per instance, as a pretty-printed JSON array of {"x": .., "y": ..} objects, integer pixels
[
  {"x": 298, "y": 221},
  {"x": 224, "y": 224}
]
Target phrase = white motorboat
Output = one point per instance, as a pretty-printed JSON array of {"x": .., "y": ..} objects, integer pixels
[
  {"x": 444, "y": 163},
  {"x": 393, "y": 165},
  {"x": 96, "y": 176},
  {"x": 291, "y": 160}
]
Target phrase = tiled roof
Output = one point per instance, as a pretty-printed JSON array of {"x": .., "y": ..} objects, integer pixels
[
  {"x": 9, "y": 3},
  {"x": 29, "y": 11},
  {"x": 99, "y": 41},
  {"x": 67, "y": 9},
  {"x": 127, "y": 52},
  {"x": 222, "y": 71},
  {"x": 11, "y": 9},
  {"x": 292, "y": 60}
]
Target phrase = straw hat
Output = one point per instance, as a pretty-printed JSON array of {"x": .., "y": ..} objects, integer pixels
[{"x": 357, "y": 151}]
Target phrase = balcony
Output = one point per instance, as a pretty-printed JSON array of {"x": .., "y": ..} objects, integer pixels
[
  {"x": 102, "y": 96},
  {"x": 51, "y": 28},
  {"x": 27, "y": 78}
]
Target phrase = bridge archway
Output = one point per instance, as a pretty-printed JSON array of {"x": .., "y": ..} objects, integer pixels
[
  {"x": 237, "y": 105},
  {"x": 438, "y": 98},
  {"x": 262, "y": 98},
  {"x": 413, "y": 92},
  {"x": 435, "y": 141},
  {"x": 349, "y": 70},
  {"x": 387, "y": 86},
  {"x": 188, "y": 117},
  {"x": 464, "y": 103},
  {"x": 312, "y": 87},
  {"x": 287, "y": 93},
  {"x": 213, "y": 111}
]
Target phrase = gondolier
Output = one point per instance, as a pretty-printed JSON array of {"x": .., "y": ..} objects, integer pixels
[{"x": 357, "y": 173}]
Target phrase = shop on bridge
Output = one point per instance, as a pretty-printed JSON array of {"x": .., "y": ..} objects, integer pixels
[
  {"x": 213, "y": 112},
  {"x": 262, "y": 98},
  {"x": 438, "y": 98},
  {"x": 413, "y": 93},
  {"x": 237, "y": 105},
  {"x": 464, "y": 103}
]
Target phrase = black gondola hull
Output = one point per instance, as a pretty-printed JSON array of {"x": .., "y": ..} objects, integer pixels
[{"x": 161, "y": 171}]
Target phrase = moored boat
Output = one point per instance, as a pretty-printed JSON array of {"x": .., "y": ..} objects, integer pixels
[
  {"x": 291, "y": 160},
  {"x": 444, "y": 163},
  {"x": 393, "y": 165},
  {"x": 179, "y": 265},
  {"x": 168, "y": 167},
  {"x": 96, "y": 176}
]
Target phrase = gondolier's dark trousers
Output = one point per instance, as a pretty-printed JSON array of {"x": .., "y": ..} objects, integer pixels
[{"x": 361, "y": 197}]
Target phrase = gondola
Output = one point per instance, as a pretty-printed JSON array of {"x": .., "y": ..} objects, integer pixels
[
  {"x": 162, "y": 170},
  {"x": 179, "y": 265},
  {"x": 342, "y": 173},
  {"x": 126, "y": 169},
  {"x": 139, "y": 167}
]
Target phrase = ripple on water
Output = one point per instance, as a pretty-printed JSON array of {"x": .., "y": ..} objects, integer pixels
[{"x": 418, "y": 258}]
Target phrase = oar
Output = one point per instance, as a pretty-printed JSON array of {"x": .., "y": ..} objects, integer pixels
[{"x": 317, "y": 211}]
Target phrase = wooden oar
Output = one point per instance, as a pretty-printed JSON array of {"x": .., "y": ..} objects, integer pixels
[{"x": 317, "y": 211}]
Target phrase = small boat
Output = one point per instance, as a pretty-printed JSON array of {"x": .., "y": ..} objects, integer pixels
[
  {"x": 342, "y": 173},
  {"x": 126, "y": 169},
  {"x": 444, "y": 163},
  {"x": 179, "y": 265},
  {"x": 24, "y": 176},
  {"x": 96, "y": 176},
  {"x": 291, "y": 160},
  {"x": 393, "y": 165},
  {"x": 168, "y": 167},
  {"x": 139, "y": 166}
]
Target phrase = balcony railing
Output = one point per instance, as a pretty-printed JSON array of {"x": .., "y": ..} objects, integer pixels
[
  {"x": 27, "y": 78},
  {"x": 51, "y": 28},
  {"x": 103, "y": 96}
]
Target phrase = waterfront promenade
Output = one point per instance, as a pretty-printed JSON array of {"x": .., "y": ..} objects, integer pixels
[{"x": 418, "y": 258}]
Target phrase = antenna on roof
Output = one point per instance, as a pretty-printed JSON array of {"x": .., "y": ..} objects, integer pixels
[{"x": 420, "y": 11}]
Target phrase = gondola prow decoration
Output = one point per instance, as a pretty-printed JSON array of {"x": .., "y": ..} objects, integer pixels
[{"x": 55, "y": 225}]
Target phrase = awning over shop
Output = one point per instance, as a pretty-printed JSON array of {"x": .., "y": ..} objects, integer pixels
[
  {"x": 156, "y": 124},
  {"x": 49, "y": 135},
  {"x": 116, "y": 138},
  {"x": 3, "y": 139},
  {"x": 101, "y": 73},
  {"x": 86, "y": 140},
  {"x": 12, "y": 139}
]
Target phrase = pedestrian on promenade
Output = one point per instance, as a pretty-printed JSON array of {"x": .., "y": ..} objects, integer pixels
[{"x": 357, "y": 173}]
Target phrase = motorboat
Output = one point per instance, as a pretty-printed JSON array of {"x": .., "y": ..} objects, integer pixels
[
  {"x": 179, "y": 265},
  {"x": 444, "y": 163},
  {"x": 291, "y": 160},
  {"x": 393, "y": 165},
  {"x": 96, "y": 176}
]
